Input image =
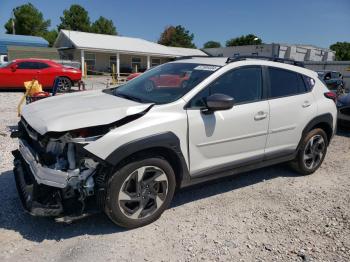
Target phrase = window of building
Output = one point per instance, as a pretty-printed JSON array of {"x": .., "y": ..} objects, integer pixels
[
  {"x": 155, "y": 62},
  {"x": 285, "y": 83},
  {"x": 136, "y": 64},
  {"x": 90, "y": 60}
]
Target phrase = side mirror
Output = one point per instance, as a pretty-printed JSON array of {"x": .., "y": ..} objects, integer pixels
[
  {"x": 14, "y": 68},
  {"x": 217, "y": 102}
]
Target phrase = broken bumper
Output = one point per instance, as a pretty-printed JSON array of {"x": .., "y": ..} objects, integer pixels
[
  {"x": 44, "y": 175},
  {"x": 31, "y": 193}
]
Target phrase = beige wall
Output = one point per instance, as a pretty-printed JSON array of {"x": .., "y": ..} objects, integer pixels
[{"x": 102, "y": 60}]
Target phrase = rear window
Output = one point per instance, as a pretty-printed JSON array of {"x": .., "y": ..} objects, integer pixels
[
  {"x": 285, "y": 83},
  {"x": 309, "y": 83}
]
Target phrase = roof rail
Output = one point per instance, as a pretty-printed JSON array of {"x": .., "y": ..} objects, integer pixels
[
  {"x": 269, "y": 58},
  {"x": 191, "y": 56}
]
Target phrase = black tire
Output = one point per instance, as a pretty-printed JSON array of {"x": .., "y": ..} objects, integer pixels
[
  {"x": 115, "y": 210},
  {"x": 64, "y": 85},
  {"x": 302, "y": 163}
]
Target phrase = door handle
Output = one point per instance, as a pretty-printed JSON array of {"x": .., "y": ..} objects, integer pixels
[
  {"x": 260, "y": 116},
  {"x": 306, "y": 104}
]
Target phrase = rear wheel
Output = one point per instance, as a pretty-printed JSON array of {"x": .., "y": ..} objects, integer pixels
[
  {"x": 139, "y": 192},
  {"x": 312, "y": 152}
]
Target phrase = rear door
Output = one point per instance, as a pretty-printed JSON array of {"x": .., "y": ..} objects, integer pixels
[{"x": 292, "y": 106}]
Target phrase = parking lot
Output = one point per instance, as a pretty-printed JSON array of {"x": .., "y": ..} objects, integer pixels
[{"x": 266, "y": 215}]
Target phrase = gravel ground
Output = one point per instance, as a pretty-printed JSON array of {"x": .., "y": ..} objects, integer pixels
[{"x": 267, "y": 215}]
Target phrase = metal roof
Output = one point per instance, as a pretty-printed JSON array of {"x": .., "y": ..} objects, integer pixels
[
  {"x": 111, "y": 43},
  {"x": 20, "y": 40}
]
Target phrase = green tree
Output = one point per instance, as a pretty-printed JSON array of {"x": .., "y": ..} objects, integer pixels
[
  {"x": 244, "y": 40},
  {"x": 104, "y": 26},
  {"x": 28, "y": 20},
  {"x": 75, "y": 18},
  {"x": 177, "y": 36},
  {"x": 51, "y": 36},
  {"x": 342, "y": 51},
  {"x": 212, "y": 44}
]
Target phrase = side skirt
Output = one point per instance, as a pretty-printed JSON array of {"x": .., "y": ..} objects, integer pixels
[{"x": 235, "y": 170}]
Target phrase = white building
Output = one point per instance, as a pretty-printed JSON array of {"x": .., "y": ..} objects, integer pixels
[
  {"x": 295, "y": 52},
  {"x": 128, "y": 54}
]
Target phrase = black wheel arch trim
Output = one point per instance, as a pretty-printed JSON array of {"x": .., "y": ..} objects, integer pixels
[
  {"x": 321, "y": 119},
  {"x": 167, "y": 140}
]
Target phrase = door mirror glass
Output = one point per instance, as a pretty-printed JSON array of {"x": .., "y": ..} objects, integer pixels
[{"x": 218, "y": 102}]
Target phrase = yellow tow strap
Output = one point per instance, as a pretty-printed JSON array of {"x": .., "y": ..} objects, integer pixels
[{"x": 32, "y": 87}]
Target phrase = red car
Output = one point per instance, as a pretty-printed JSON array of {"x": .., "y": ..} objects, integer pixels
[
  {"x": 165, "y": 81},
  {"x": 132, "y": 76},
  {"x": 15, "y": 73}
]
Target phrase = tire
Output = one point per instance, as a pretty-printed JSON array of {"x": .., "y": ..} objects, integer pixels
[
  {"x": 312, "y": 152},
  {"x": 64, "y": 84},
  {"x": 134, "y": 204}
]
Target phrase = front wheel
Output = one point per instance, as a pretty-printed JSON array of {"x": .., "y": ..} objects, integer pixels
[
  {"x": 312, "y": 152},
  {"x": 64, "y": 85},
  {"x": 139, "y": 192}
]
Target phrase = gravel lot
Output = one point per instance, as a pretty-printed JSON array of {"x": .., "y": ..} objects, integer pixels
[{"x": 266, "y": 215}]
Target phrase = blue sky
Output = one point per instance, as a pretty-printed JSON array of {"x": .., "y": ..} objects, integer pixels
[{"x": 318, "y": 22}]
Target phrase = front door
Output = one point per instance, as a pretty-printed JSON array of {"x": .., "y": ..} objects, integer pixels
[
  {"x": 25, "y": 71},
  {"x": 234, "y": 136}
]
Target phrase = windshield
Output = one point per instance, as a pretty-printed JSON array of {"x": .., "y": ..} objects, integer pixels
[{"x": 165, "y": 83}]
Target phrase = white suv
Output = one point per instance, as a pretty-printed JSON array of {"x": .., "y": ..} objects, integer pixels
[{"x": 125, "y": 150}]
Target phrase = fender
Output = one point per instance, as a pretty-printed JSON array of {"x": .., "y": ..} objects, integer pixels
[
  {"x": 166, "y": 140},
  {"x": 321, "y": 119}
]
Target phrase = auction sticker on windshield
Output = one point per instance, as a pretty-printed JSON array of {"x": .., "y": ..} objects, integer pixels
[{"x": 206, "y": 68}]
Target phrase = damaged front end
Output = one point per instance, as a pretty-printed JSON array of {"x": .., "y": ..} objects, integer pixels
[{"x": 55, "y": 175}]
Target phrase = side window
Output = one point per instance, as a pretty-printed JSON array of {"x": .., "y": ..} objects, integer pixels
[
  {"x": 285, "y": 83},
  {"x": 199, "y": 100},
  {"x": 309, "y": 83},
  {"x": 335, "y": 75},
  {"x": 243, "y": 84},
  {"x": 41, "y": 65},
  {"x": 26, "y": 65}
]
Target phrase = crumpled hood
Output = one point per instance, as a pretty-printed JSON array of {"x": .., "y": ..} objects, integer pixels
[{"x": 78, "y": 110}]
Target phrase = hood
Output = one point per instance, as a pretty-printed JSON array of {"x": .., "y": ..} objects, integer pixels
[{"x": 79, "y": 110}]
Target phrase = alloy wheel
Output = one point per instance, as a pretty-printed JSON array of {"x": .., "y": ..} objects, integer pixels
[
  {"x": 314, "y": 151},
  {"x": 143, "y": 192},
  {"x": 64, "y": 84}
]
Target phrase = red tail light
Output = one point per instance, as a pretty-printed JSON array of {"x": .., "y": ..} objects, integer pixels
[{"x": 331, "y": 95}]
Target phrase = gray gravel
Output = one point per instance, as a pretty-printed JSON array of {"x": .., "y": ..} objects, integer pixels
[{"x": 266, "y": 215}]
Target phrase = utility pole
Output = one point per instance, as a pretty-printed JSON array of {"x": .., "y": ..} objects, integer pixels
[{"x": 13, "y": 23}]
